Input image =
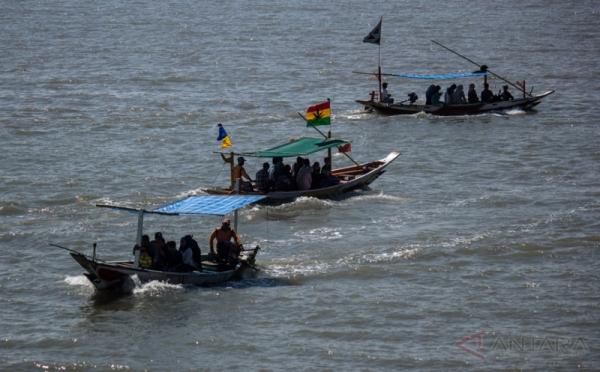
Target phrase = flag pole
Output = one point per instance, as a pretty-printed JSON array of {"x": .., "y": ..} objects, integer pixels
[
  {"x": 379, "y": 59},
  {"x": 325, "y": 136}
]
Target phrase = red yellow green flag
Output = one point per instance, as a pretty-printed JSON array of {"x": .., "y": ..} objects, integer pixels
[{"x": 318, "y": 114}]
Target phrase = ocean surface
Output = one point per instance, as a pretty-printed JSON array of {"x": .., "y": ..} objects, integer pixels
[{"x": 477, "y": 249}]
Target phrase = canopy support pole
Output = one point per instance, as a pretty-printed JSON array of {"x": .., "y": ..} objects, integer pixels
[
  {"x": 235, "y": 213},
  {"x": 138, "y": 240}
]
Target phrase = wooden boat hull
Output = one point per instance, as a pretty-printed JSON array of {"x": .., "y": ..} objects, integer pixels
[
  {"x": 117, "y": 275},
  {"x": 454, "y": 110},
  {"x": 352, "y": 178}
]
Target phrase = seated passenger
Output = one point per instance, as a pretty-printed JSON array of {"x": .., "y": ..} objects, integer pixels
[
  {"x": 326, "y": 165},
  {"x": 284, "y": 181},
  {"x": 316, "y": 175},
  {"x": 327, "y": 179},
  {"x": 145, "y": 261},
  {"x": 472, "y": 94},
  {"x": 190, "y": 254},
  {"x": 449, "y": 94},
  {"x": 173, "y": 257},
  {"x": 157, "y": 251},
  {"x": 486, "y": 94},
  {"x": 227, "y": 251},
  {"x": 297, "y": 165},
  {"x": 239, "y": 173},
  {"x": 458, "y": 97},
  {"x": 437, "y": 94},
  {"x": 429, "y": 94},
  {"x": 505, "y": 95},
  {"x": 277, "y": 169},
  {"x": 386, "y": 97},
  {"x": 262, "y": 179},
  {"x": 304, "y": 176}
]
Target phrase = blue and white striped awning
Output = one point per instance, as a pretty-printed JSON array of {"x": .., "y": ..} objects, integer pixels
[{"x": 209, "y": 204}]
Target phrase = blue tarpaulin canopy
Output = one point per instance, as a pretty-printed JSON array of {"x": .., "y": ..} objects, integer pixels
[
  {"x": 209, "y": 204},
  {"x": 453, "y": 75}
]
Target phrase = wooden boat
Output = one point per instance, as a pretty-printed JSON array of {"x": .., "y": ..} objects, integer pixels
[
  {"x": 380, "y": 103},
  {"x": 117, "y": 275},
  {"x": 525, "y": 104},
  {"x": 358, "y": 176}
]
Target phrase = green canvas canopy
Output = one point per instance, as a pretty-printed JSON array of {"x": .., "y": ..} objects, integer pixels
[{"x": 299, "y": 147}]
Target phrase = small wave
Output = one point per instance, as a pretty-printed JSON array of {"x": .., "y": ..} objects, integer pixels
[
  {"x": 154, "y": 288},
  {"x": 515, "y": 111},
  {"x": 30, "y": 132},
  {"x": 59, "y": 81},
  {"x": 401, "y": 254},
  {"x": 296, "y": 208},
  {"x": 379, "y": 197},
  {"x": 196, "y": 191},
  {"x": 357, "y": 114},
  {"x": 11, "y": 209},
  {"x": 78, "y": 280},
  {"x": 297, "y": 269}
]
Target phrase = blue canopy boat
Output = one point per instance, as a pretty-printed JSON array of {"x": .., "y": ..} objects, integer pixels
[
  {"x": 526, "y": 102},
  {"x": 385, "y": 106},
  {"x": 117, "y": 275}
]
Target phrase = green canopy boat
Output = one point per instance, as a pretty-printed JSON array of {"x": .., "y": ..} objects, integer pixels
[{"x": 346, "y": 179}]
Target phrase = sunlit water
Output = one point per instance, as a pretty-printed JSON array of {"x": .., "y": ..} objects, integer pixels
[{"x": 485, "y": 223}]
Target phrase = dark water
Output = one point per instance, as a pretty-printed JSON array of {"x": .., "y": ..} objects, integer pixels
[{"x": 484, "y": 224}]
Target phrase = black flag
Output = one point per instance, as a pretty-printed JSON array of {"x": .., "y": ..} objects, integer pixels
[{"x": 375, "y": 35}]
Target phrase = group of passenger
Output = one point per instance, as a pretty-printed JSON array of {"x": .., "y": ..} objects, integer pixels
[
  {"x": 283, "y": 177},
  {"x": 159, "y": 254},
  {"x": 453, "y": 95},
  {"x": 299, "y": 176}
]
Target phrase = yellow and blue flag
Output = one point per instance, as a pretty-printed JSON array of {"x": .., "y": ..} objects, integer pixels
[{"x": 223, "y": 137}]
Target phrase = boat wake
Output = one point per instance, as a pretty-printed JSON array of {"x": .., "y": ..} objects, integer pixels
[
  {"x": 301, "y": 206},
  {"x": 78, "y": 281},
  {"x": 302, "y": 268},
  {"x": 354, "y": 114},
  {"x": 135, "y": 287},
  {"x": 154, "y": 288},
  {"x": 381, "y": 196}
]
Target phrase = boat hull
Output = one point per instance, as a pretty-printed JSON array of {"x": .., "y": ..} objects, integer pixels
[
  {"x": 117, "y": 275},
  {"x": 454, "y": 110},
  {"x": 352, "y": 178}
]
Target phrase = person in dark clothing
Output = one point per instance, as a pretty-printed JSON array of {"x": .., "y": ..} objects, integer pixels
[
  {"x": 429, "y": 94},
  {"x": 190, "y": 254},
  {"x": 472, "y": 94},
  {"x": 316, "y": 175},
  {"x": 435, "y": 96},
  {"x": 449, "y": 93},
  {"x": 158, "y": 251},
  {"x": 326, "y": 165},
  {"x": 505, "y": 95},
  {"x": 486, "y": 94},
  {"x": 173, "y": 260},
  {"x": 262, "y": 179},
  {"x": 297, "y": 165},
  {"x": 284, "y": 181},
  {"x": 276, "y": 170}
]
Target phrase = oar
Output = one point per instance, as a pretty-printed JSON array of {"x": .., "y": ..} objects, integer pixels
[{"x": 480, "y": 66}]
